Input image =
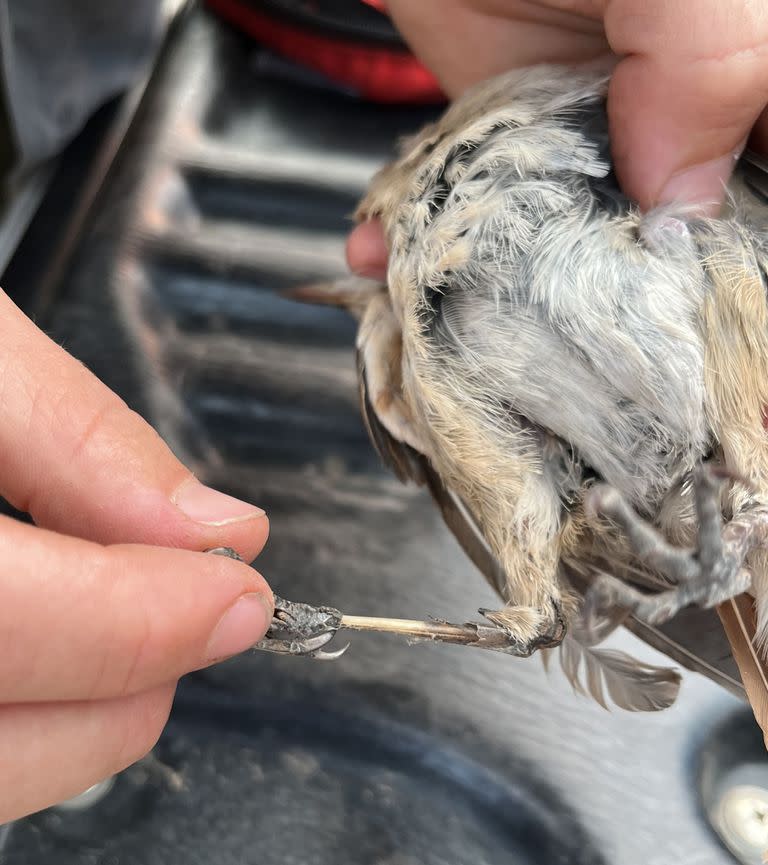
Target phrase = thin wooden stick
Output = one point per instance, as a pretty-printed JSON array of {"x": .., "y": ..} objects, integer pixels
[{"x": 412, "y": 628}]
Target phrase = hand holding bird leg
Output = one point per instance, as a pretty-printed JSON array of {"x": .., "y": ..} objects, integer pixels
[{"x": 706, "y": 576}]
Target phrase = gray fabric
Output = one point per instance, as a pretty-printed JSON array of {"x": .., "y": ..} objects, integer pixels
[{"x": 59, "y": 61}]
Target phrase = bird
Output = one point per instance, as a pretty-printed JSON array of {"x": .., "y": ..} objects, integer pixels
[{"x": 581, "y": 385}]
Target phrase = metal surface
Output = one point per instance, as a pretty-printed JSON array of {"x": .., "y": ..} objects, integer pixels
[{"x": 231, "y": 186}]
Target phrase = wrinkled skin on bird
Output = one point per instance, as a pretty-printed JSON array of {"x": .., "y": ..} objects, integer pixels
[{"x": 557, "y": 367}]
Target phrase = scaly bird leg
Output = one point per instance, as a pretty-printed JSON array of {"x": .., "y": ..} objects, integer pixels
[
  {"x": 705, "y": 576},
  {"x": 301, "y": 629}
]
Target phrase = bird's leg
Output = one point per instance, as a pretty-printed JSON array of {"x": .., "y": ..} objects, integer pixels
[
  {"x": 301, "y": 629},
  {"x": 708, "y": 575},
  {"x": 548, "y": 631},
  {"x": 476, "y": 635}
]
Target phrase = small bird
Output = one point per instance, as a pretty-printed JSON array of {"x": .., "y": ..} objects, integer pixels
[{"x": 582, "y": 386}]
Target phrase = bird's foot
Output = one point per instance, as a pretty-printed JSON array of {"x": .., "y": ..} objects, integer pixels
[
  {"x": 707, "y": 575},
  {"x": 297, "y": 629},
  {"x": 529, "y": 629},
  {"x": 301, "y": 629}
]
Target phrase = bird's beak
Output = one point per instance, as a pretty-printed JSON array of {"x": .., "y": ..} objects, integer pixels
[{"x": 351, "y": 293}]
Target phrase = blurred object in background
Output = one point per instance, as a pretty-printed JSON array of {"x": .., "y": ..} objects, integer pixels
[
  {"x": 58, "y": 63},
  {"x": 352, "y": 43}
]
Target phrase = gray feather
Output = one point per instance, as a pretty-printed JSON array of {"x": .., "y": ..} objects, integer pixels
[{"x": 630, "y": 684}]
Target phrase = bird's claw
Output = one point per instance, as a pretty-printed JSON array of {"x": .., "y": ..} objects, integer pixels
[
  {"x": 300, "y": 629},
  {"x": 711, "y": 572},
  {"x": 296, "y": 629},
  {"x": 308, "y": 648}
]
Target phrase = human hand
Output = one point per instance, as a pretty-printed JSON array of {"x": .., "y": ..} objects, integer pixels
[
  {"x": 94, "y": 635},
  {"x": 689, "y": 88}
]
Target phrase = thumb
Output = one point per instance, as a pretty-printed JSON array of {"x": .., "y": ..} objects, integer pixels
[{"x": 685, "y": 97}]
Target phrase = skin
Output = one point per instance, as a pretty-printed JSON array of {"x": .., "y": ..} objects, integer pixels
[
  {"x": 689, "y": 88},
  {"x": 108, "y": 600}
]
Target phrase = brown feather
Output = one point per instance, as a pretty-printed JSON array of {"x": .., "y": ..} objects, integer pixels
[
  {"x": 694, "y": 639},
  {"x": 409, "y": 465},
  {"x": 739, "y": 620},
  {"x": 406, "y": 463},
  {"x": 464, "y": 528}
]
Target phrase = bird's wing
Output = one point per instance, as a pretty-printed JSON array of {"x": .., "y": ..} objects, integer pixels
[
  {"x": 406, "y": 462},
  {"x": 465, "y": 529},
  {"x": 410, "y": 465},
  {"x": 694, "y": 639}
]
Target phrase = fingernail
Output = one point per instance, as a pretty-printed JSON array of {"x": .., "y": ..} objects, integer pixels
[
  {"x": 702, "y": 184},
  {"x": 244, "y": 624},
  {"x": 210, "y": 507}
]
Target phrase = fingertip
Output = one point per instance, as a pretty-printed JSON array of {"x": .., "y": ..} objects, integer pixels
[
  {"x": 210, "y": 507},
  {"x": 84, "y": 741},
  {"x": 367, "y": 251},
  {"x": 152, "y": 516},
  {"x": 677, "y": 130},
  {"x": 241, "y": 626},
  {"x": 702, "y": 186},
  {"x": 221, "y": 520},
  {"x": 145, "y": 715},
  {"x": 246, "y": 538},
  {"x": 244, "y": 622},
  {"x": 234, "y": 574},
  {"x": 173, "y": 611}
]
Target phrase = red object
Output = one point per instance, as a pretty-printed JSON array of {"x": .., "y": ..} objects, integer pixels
[{"x": 374, "y": 72}]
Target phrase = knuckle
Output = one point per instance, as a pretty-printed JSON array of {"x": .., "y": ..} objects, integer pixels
[{"x": 90, "y": 431}]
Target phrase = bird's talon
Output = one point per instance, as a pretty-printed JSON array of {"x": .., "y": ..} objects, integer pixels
[
  {"x": 301, "y": 629},
  {"x": 311, "y": 647}
]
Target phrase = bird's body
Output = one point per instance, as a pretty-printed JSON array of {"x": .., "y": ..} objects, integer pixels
[{"x": 538, "y": 335}]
